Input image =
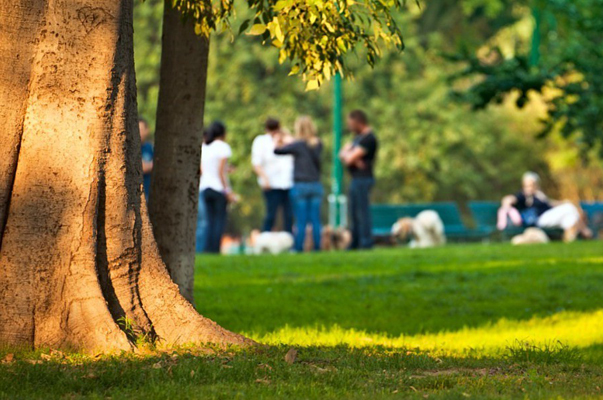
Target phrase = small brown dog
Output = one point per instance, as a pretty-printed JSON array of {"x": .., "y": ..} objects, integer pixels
[
  {"x": 331, "y": 239},
  {"x": 402, "y": 229}
]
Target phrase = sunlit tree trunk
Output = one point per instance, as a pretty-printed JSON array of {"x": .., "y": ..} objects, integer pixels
[
  {"x": 178, "y": 138},
  {"x": 77, "y": 253}
]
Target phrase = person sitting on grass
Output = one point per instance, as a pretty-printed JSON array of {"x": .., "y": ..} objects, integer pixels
[{"x": 532, "y": 208}]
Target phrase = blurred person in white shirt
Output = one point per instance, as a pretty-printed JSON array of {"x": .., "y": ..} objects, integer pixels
[
  {"x": 275, "y": 175},
  {"x": 214, "y": 184}
]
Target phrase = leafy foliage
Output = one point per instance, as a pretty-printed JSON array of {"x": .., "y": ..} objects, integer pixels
[
  {"x": 148, "y": 17},
  {"x": 315, "y": 35},
  {"x": 500, "y": 78},
  {"x": 569, "y": 74}
]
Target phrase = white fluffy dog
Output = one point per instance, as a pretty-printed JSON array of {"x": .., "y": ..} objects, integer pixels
[
  {"x": 425, "y": 230},
  {"x": 530, "y": 236},
  {"x": 271, "y": 242}
]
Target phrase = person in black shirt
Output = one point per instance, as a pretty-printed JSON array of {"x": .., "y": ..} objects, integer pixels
[
  {"x": 535, "y": 209},
  {"x": 307, "y": 191},
  {"x": 359, "y": 157}
]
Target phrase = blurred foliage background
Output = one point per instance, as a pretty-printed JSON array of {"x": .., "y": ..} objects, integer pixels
[{"x": 432, "y": 147}]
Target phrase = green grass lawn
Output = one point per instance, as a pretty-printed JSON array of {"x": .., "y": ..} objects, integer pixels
[{"x": 481, "y": 321}]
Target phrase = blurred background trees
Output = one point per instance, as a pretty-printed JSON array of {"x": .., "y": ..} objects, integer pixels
[{"x": 432, "y": 147}]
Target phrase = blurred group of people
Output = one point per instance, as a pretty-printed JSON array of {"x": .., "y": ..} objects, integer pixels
[{"x": 288, "y": 168}]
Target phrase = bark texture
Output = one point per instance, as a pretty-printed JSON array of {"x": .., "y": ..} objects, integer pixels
[
  {"x": 77, "y": 253},
  {"x": 178, "y": 138}
]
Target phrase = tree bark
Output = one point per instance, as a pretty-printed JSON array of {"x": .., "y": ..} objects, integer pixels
[
  {"x": 77, "y": 253},
  {"x": 178, "y": 137}
]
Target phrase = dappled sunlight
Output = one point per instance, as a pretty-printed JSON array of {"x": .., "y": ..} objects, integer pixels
[{"x": 576, "y": 329}]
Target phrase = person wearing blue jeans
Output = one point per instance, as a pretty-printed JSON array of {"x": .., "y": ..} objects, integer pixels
[
  {"x": 214, "y": 186},
  {"x": 359, "y": 156},
  {"x": 276, "y": 199},
  {"x": 359, "y": 195},
  {"x": 307, "y": 191},
  {"x": 216, "y": 204},
  {"x": 201, "y": 233},
  {"x": 307, "y": 199}
]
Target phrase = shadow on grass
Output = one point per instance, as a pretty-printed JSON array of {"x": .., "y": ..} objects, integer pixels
[{"x": 316, "y": 372}]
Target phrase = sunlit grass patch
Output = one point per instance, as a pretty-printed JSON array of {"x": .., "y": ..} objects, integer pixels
[{"x": 572, "y": 329}]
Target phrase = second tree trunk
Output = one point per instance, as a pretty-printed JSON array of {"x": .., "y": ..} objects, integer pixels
[{"x": 178, "y": 138}]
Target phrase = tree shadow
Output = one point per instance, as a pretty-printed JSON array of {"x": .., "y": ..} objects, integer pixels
[{"x": 315, "y": 371}]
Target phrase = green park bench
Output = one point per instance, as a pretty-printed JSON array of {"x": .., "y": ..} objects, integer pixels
[
  {"x": 385, "y": 215},
  {"x": 485, "y": 215},
  {"x": 594, "y": 213}
]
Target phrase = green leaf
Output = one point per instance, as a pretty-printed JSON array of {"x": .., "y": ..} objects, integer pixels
[
  {"x": 312, "y": 85},
  {"x": 244, "y": 26},
  {"x": 257, "y": 30}
]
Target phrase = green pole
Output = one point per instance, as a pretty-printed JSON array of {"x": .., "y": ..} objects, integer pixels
[
  {"x": 337, "y": 173},
  {"x": 536, "y": 37}
]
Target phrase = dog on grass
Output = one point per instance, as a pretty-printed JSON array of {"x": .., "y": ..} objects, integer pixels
[
  {"x": 530, "y": 236},
  {"x": 424, "y": 230},
  {"x": 270, "y": 242},
  {"x": 330, "y": 239},
  {"x": 335, "y": 238}
]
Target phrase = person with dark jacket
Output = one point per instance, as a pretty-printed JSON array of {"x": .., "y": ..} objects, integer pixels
[
  {"x": 359, "y": 156},
  {"x": 307, "y": 191}
]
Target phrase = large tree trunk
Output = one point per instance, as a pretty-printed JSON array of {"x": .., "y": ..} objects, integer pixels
[
  {"x": 178, "y": 138},
  {"x": 77, "y": 253}
]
